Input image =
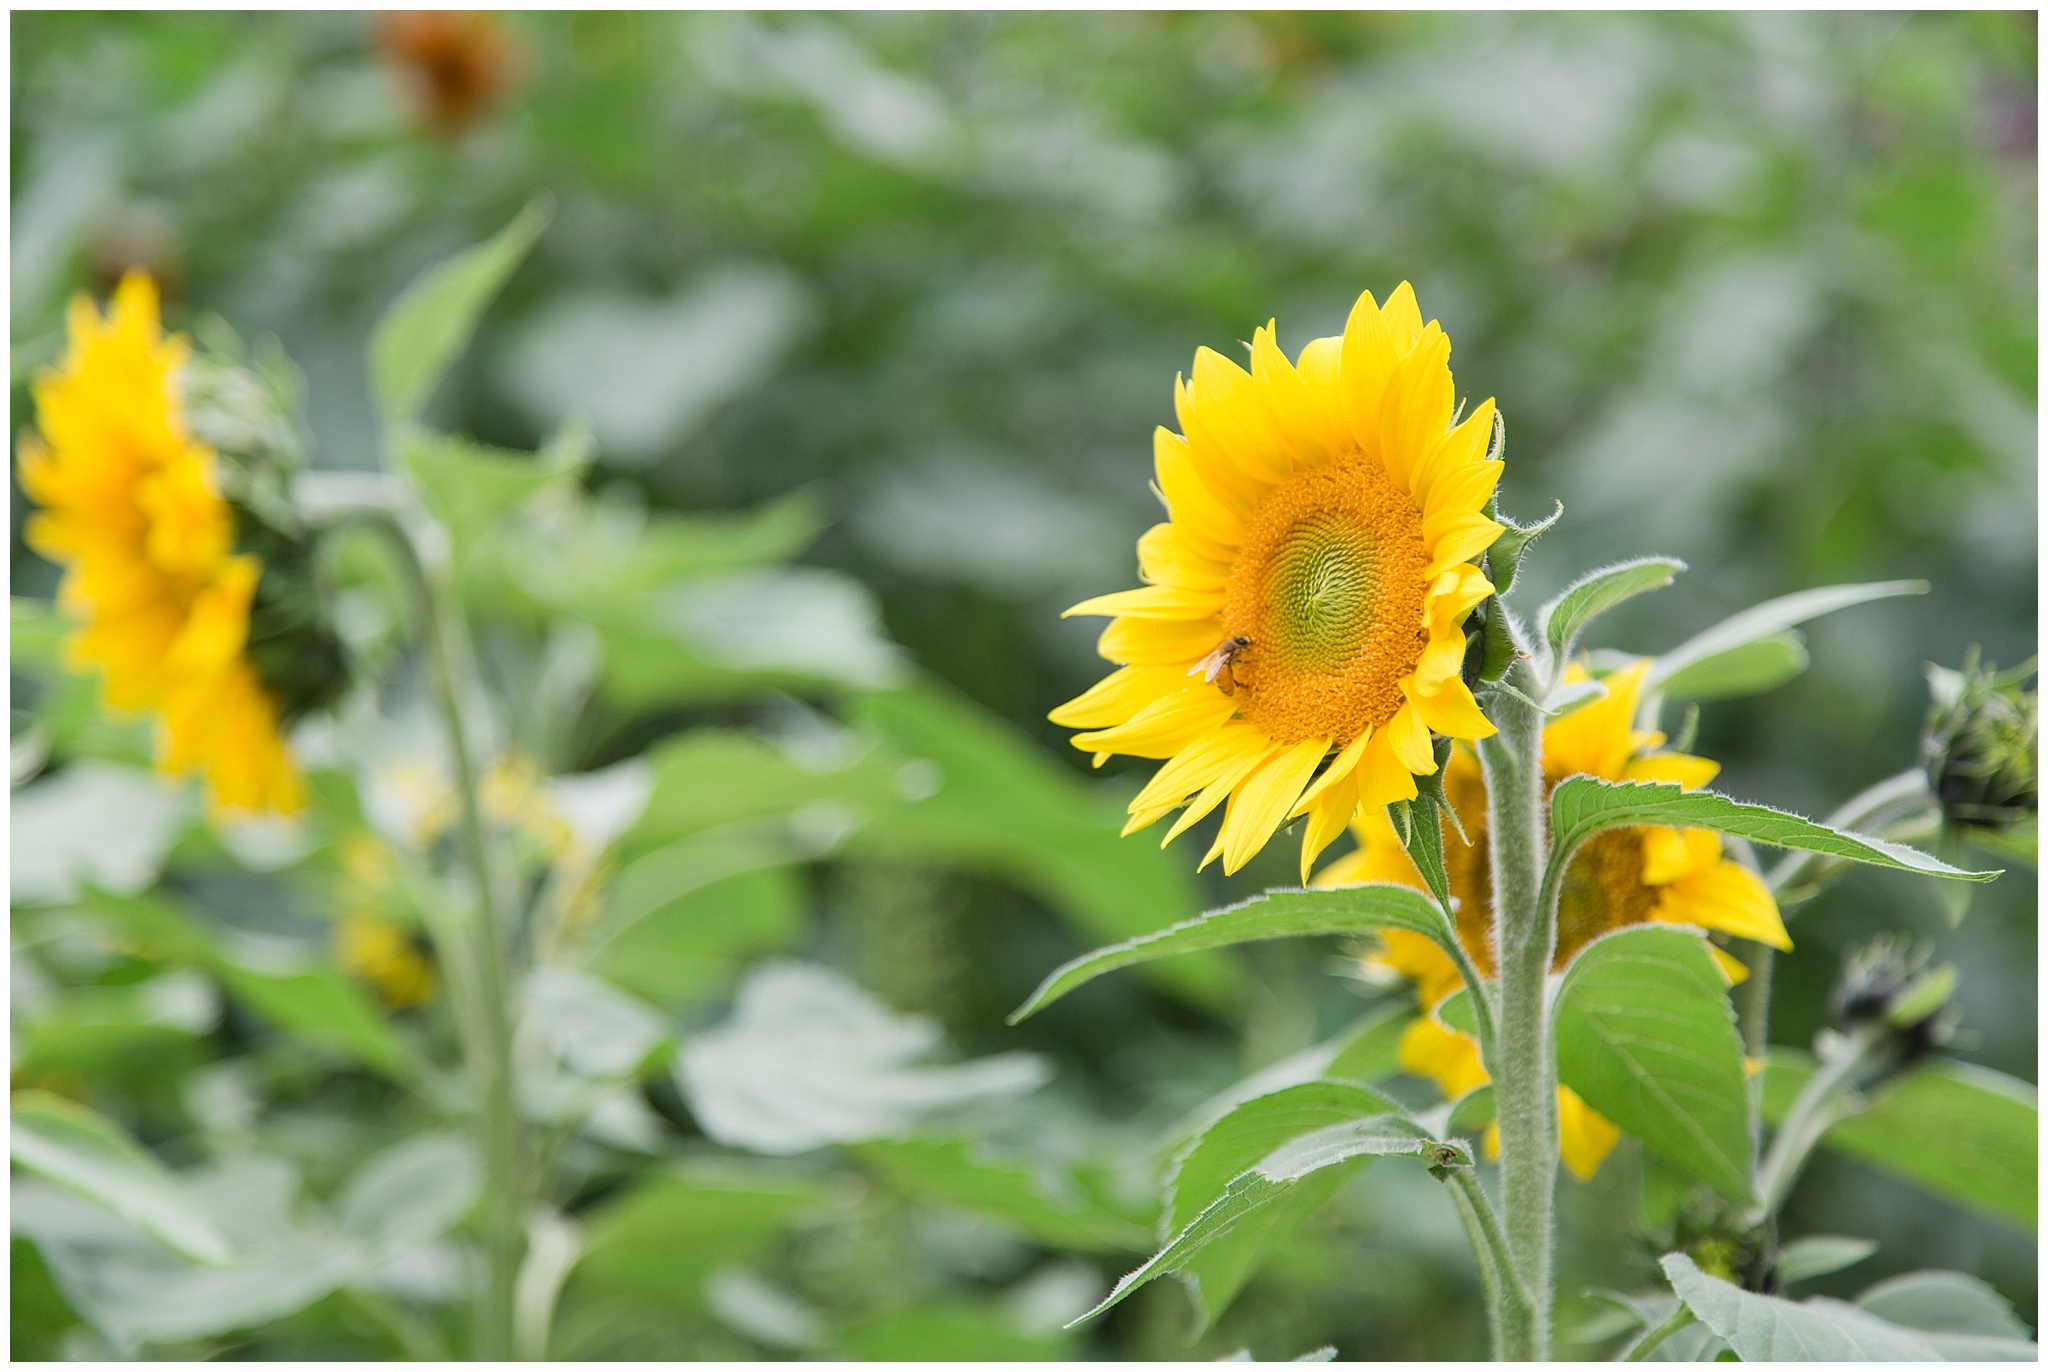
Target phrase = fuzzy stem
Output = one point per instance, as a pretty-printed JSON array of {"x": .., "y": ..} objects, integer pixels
[
  {"x": 1507, "y": 1305},
  {"x": 1524, "y": 1067},
  {"x": 1816, "y": 1108},
  {"x": 1647, "y": 1344}
]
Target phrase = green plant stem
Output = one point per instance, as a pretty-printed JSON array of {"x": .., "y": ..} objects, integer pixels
[
  {"x": 1817, "y": 1107},
  {"x": 1753, "y": 1000},
  {"x": 1647, "y": 1344},
  {"x": 1524, "y": 1064},
  {"x": 501, "y": 1131},
  {"x": 1507, "y": 1305}
]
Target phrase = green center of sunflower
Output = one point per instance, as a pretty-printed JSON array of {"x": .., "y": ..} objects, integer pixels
[{"x": 1323, "y": 589}]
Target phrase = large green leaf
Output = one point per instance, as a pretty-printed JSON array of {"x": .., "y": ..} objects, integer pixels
[
  {"x": 428, "y": 326},
  {"x": 1959, "y": 1314},
  {"x": 1767, "y": 1329},
  {"x": 1596, "y": 592},
  {"x": 1645, "y": 1034},
  {"x": 1747, "y": 669},
  {"x": 952, "y": 1331},
  {"x": 1277, "y": 914},
  {"x": 1583, "y": 806},
  {"x": 1961, "y": 1131},
  {"x": 953, "y": 1171},
  {"x": 88, "y": 1153},
  {"x": 1771, "y": 617},
  {"x": 1276, "y": 1177}
]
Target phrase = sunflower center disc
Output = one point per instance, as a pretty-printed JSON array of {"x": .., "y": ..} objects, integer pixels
[
  {"x": 1603, "y": 891},
  {"x": 1328, "y": 589}
]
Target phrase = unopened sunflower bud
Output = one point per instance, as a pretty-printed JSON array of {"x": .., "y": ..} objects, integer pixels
[
  {"x": 1981, "y": 744},
  {"x": 1888, "y": 983}
]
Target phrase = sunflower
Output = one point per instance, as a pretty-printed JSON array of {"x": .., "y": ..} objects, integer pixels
[
  {"x": 1299, "y": 639},
  {"x": 131, "y": 506},
  {"x": 1620, "y": 878}
]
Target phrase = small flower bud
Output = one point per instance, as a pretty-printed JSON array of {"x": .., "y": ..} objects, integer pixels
[{"x": 1980, "y": 746}]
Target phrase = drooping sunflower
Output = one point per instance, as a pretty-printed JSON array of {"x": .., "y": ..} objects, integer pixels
[
  {"x": 1299, "y": 639},
  {"x": 132, "y": 507},
  {"x": 1620, "y": 878}
]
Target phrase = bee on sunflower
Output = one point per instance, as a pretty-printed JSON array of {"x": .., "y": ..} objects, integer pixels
[
  {"x": 180, "y": 613},
  {"x": 1620, "y": 878},
  {"x": 1300, "y": 636}
]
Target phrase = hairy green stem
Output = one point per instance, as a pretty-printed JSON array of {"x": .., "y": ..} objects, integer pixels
[
  {"x": 1647, "y": 1344},
  {"x": 1817, "y": 1107},
  {"x": 1507, "y": 1305},
  {"x": 501, "y": 1130},
  {"x": 1523, "y": 1065}
]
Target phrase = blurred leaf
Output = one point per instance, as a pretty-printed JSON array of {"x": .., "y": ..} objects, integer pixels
[
  {"x": 1278, "y": 1177},
  {"x": 707, "y": 919},
  {"x": 37, "y": 1313},
  {"x": 468, "y": 486},
  {"x": 1582, "y": 806},
  {"x": 1816, "y": 1255},
  {"x": 316, "y": 1005},
  {"x": 808, "y": 1058},
  {"x": 1945, "y": 1303},
  {"x": 1767, "y": 620},
  {"x": 1597, "y": 591},
  {"x": 428, "y": 326},
  {"x": 657, "y": 1241},
  {"x": 1277, "y": 914},
  {"x": 951, "y": 1170},
  {"x": 90, "y": 1155},
  {"x": 1646, "y": 1035},
  {"x": 415, "y": 1190},
  {"x": 949, "y": 1331},
  {"x": 93, "y": 822},
  {"x": 1749, "y": 669},
  {"x": 1001, "y": 804},
  {"x": 1766, "y": 1329},
  {"x": 1962, "y": 1131},
  {"x": 592, "y": 1027}
]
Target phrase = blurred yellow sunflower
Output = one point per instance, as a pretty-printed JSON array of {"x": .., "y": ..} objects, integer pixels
[
  {"x": 131, "y": 507},
  {"x": 1306, "y": 593},
  {"x": 1619, "y": 878}
]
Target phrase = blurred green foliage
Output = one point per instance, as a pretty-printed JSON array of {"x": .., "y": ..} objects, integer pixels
[{"x": 903, "y": 295}]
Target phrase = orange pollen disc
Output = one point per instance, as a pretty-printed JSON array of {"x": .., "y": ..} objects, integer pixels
[{"x": 1327, "y": 587}]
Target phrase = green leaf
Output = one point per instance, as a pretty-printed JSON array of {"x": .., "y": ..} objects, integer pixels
[
  {"x": 1275, "y": 1177},
  {"x": 1771, "y": 617},
  {"x": 1961, "y": 1131},
  {"x": 1597, "y": 591},
  {"x": 1370, "y": 1051},
  {"x": 655, "y": 1243},
  {"x": 1945, "y": 1303},
  {"x": 1748, "y": 669},
  {"x": 1233, "y": 1144},
  {"x": 957, "y": 1331},
  {"x": 1645, "y": 1034},
  {"x": 1583, "y": 806},
  {"x": 316, "y": 1005},
  {"x": 428, "y": 326},
  {"x": 951, "y": 1170},
  {"x": 682, "y": 921},
  {"x": 1819, "y": 1254},
  {"x": 1504, "y": 558},
  {"x": 89, "y": 1154},
  {"x": 468, "y": 486},
  {"x": 1767, "y": 1329},
  {"x": 1277, "y": 914}
]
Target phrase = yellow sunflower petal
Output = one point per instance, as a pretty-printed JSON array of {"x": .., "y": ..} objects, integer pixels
[
  {"x": 1451, "y": 710},
  {"x": 1167, "y": 558},
  {"x": 1448, "y": 1058},
  {"x": 1162, "y": 728},
  {"x": 1585, "y": 1137},
  {"x": 1688, "y": 771},
  {"x": 1600, "y": 738},
  {"x": 1341, "y": 766},
  {"x": 1417, "y": 409},
  {"x": 1193, "y": 769},
  {"x": 1152, "y": 602},
  {"x": 1159, "y": 642},
  {"x": 1409, "y": 737},
  {"x": 1328, "y": 814},
  {"x": 1249, "y": 751},
  {"x": 1727, "y": 897},
  {"x": 1212, "y": 524},
  {"x": 1261, "y": 805},
  {"x": 1120, "y": 695},
  {"x": 1672, "y": 854},
  {"x": 1382, "y": 777},
  {"x": 1226, "y": 410},
  {"x": 1731, "y": 968},
  {"x": 1320, "y": 368},
  {"x": 1290, "y": 410}
]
